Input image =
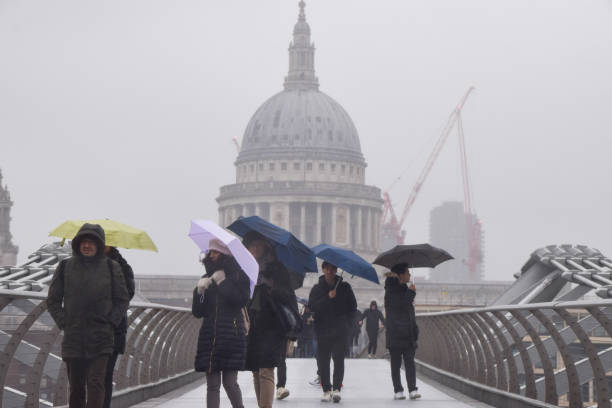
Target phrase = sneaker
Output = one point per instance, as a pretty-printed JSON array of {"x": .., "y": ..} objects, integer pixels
[
  {"x": 414, "y": 395},
  {"x": 369, "y": 356},
  {"x": 282, "y": 393},
  {"x": 327, "y": 396},
  {"x": 399, "y": 395},
  {"x": 316, "y": 382},
  {"x": 336, "y": 395}
]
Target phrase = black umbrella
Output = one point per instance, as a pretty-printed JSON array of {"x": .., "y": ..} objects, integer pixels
[{"x": 416, "y": 256}]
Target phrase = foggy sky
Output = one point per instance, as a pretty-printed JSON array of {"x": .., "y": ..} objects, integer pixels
[{"x": 126, "y": 110}]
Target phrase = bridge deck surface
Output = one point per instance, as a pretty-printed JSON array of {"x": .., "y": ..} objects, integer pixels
[{"x": 367, "y": 383}]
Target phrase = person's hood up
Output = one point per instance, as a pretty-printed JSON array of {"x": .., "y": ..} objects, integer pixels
[
  {"x": 93, "y": 231},
  {"x": 373, "y": 303}
]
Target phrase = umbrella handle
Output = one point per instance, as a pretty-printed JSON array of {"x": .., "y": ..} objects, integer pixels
[{"x": 338, "y": 282}]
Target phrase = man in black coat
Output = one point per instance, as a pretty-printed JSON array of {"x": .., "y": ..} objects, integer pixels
[
  {"x": 333, "y": 303},
  {"x": 402, "y": 330},
  {"x": 87, "y": 299},
  {"x": 373, "y": 318}
]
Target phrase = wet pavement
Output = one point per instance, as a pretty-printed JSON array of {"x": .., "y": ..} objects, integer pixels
[{"x": 367, "y": 383}]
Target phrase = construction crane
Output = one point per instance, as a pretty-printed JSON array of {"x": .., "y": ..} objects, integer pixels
[{"x": 392, "y": 226}]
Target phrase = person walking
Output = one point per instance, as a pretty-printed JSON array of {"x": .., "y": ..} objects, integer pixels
[
  {"x": 267, "y": 340},
  {"x": 333, "y": 303},
  {"x": 219, "y": 298},
  {"x": 121, "y": 330},
  {"x": 374, "y": 320},
  {"x": 402, "y": 330},
  {"x": 87, "y": 299}
]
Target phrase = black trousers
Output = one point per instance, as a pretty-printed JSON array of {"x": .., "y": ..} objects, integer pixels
[
  {"x": 373, "y": 337},
  {"x": 397, "y": 355},
  {"x": 108, "y": 379},
  {"x": 331, "y": 348},
  {"x": 281, "y": 370},
  {"x": 86, "y": 379}
]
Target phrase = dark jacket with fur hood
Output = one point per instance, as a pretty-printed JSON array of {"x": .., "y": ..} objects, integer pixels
[
  {"x": 88, "y": 298},
  {"x": 402, "y": 330}
]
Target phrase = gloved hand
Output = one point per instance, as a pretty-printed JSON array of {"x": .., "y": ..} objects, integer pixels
[
  {"x": 218, "y": 277},
  {"x": 203, "y": 284}
]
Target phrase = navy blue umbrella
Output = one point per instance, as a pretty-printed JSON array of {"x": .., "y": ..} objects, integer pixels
[
  {"x": 290, "y": 251},
  {"x": 347, "y": 261}
]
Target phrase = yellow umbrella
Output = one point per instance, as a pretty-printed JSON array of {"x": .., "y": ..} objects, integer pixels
[{"x": 117, "y": 234}]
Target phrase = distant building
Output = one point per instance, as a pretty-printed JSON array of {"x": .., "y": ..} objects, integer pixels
[
  {"x": 448, "y": 229},
  {"x": 8, "y": 251},
  {"x": 300, "y": 164}
]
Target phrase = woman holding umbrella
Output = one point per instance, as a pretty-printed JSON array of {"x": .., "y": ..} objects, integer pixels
[
  {"x": 402, "y": 330},
  {"x": 219, "y": 298}
]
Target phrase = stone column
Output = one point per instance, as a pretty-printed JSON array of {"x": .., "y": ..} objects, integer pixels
[
  {"x": 318, "y": 225},
  {"x": 349, "y": 240},
  {"x": 333, "y": 225},
  {"x": 376, "y": 231},
  {"x": 368, "y": 229},
  {"x": 258, "y": 209},
  {"x": 359, "y": 241},
  {"x": 303, "y": 222}
]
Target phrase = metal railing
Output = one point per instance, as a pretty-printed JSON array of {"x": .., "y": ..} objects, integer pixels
[
  {"x": 543, "y": 351},
  {"x": 161, "y": 343}
]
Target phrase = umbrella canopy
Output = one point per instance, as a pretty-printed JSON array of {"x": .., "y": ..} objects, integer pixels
[
  {"x": 347, "y": 261},
  {"x": 117, "y": 234},
  {"x": 416, "y": 256},
  {"x": 290, "y": 251},
  {"x": 202, "y": 231}
]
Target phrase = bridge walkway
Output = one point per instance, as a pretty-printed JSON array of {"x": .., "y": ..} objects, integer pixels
[{"x": 367, "y": 383}]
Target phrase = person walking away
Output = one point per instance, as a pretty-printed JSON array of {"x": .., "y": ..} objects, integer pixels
[
  {"x": 121, "y": 330},
  {"x": 219, "y": 298},
  {"x": 87, "y": 299},
  {"x": 374, "y": 319},
  {"x": 402, "y": 330},
  {"x": 266, "y": 340},
  {"x": 333, "y": 303}
]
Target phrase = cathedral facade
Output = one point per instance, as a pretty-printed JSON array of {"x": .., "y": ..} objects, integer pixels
[
  {"x": 300, "y": 164},
  {"x": 8, "y": 251}
]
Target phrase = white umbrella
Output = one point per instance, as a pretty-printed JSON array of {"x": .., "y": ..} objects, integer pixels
[{"x": 202, "y": 231}]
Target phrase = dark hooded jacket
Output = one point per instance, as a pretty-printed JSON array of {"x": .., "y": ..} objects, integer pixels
[
  {"x": 222, "y": 337},
  {"x": 373, "y": 318},
  {"x": 333, "y": 317},
  {"x": 128, "y": 276},
  {"x": 267, "y": 340},
  {"x": 88, "y": 298},
  {"x": 402, "y": 330}
]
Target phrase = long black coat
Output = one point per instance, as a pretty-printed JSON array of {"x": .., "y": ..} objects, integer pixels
[
  {"x": 402, "y": 330},
  {"x": 267, "y": 340},
  {"x": 128, "y": 276},
  {"x": 333, "y": 317},
  {"x": 222, "y": 339},
  {"x": 87, "y": 298}
]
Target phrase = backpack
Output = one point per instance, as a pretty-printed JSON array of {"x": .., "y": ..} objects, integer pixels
[{"x": 290, "y": 320}]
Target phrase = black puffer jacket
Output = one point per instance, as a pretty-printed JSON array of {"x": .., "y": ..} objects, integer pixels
[
  {"x": 267, "y": 340},
  {"x": 402, "y": 330},
  {"x": 87, "y": 298},
  {"x": 128, "y": 276},
  {"x": 333, "y": 317},
  {"x": 222, "y": 339}
]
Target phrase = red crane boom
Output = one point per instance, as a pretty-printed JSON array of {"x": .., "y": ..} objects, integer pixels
[{"x": 392, "y": 228}]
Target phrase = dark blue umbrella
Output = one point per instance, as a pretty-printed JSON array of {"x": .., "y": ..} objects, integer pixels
[
  {"x": 347, "y": 260},
  {"x": 290, "y": 251}
]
